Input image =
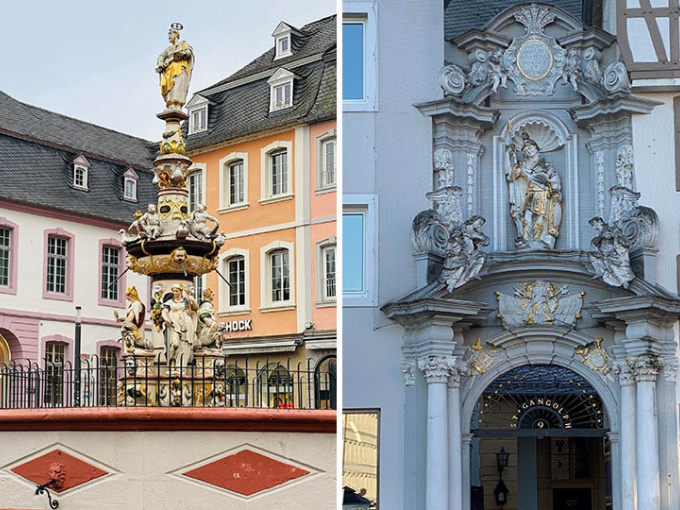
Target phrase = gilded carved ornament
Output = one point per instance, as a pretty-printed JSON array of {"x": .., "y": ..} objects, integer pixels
[
  {"x": 482, "y": 357},
  {"x": 539, "y": 302},
  {"x": 594, "y": 356}
]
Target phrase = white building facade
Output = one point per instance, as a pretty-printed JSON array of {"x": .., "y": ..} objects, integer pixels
[
  {"x": 510, "y": 243},
  {"x": 69, "y": 188}
]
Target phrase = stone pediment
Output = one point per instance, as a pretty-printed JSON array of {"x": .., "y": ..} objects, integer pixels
[{"x": 532, "y": 49}]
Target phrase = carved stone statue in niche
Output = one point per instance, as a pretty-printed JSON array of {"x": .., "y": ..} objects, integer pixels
[
  {"x": 535, "y": 196},
  {"x": 611, "y": 261}
]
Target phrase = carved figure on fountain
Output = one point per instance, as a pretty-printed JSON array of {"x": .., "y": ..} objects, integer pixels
[
  {"x": 535, "y": 190},
  {"x": 179, "y": 315},
  {"x": 199, "y": 228},
  {"x": 208, "y": 334},
  {"x": 150, "y": 222},
  {"x": 134, "y": 232},
  {"x": 611, "y": 261},
  {"x": 132, "y": 329}
]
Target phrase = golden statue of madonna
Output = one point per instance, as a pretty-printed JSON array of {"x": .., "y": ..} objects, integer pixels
[{"x": 175, "y": 65}]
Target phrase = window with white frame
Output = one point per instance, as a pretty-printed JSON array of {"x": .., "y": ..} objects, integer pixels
[
  {"x": 130, "y": 189},
  {"x": 329, "y": 279},
  {"x": 276, "y": 160},
  {"x": 80, "y": 177},
  {"x": 279, "y": 172},
  {"x": 359, "y": 57},
  {"x": 326, "y": 162},
  {"x": 199, "y": 120},
  {"x": 283, "y": 46},
  {"x": 57, "y": 264},
  {"x": 110, "y": 269},
  {"x": 281, "y": 90},
  {"x": 195, "y": 189},
  {"x": 236, "y": 271},
  {"x": 353, "y": 59},
  {"x": 279, "y": 275},
  {"x": 359, "y": 249},
  {"x": 236, "y": 183},
  {"x": 5, "y": 256}
]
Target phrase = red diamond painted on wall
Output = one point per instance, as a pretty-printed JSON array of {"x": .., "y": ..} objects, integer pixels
[
  {"x": 69, "y": 471},
  {"x": 246, "y": 472}
]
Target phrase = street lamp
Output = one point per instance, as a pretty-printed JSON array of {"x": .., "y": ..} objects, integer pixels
[
  {"x": 501, "y": 490},
  {"x": 76, "y": 359}
]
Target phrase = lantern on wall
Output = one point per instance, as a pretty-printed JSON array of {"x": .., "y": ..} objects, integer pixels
[{"x": 501, "y": 490}]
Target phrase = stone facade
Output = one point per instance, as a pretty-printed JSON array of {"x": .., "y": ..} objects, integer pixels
[{"x": 534, "y": 125}]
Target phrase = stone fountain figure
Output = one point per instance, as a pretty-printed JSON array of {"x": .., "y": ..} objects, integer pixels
[{"x": 535, "y": 196}]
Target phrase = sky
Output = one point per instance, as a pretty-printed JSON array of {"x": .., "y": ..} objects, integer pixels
[{"x": 95, "y": 60}]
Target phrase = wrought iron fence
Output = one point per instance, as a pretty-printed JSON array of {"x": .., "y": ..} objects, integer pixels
[{"x": 206, "y": 382}]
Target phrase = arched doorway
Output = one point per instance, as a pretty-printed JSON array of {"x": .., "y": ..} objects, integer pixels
[
  {"x": 325, "y": 383},
  {"x": 5, "y": 352},
  {"x": 554, "y": 426}
]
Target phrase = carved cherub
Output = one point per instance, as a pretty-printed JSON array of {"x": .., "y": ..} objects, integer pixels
[
  {"x": 199, "y": 227},
  {"x": 151, "y": 222}
]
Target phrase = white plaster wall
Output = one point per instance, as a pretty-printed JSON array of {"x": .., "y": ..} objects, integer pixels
[
  {"x": 142, "y": 463},
  {"x": 85, "y": 284},
  {"x": 654, "y": 142}
]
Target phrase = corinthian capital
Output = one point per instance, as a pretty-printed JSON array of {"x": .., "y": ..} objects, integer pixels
[
  {"x": 645, "y": 367},
  {"x": 624, "y": 373},
  {"x": 437, "y": 369}
]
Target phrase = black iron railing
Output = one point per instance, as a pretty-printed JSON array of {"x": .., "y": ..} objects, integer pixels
[{"x": 206, "y": 382}]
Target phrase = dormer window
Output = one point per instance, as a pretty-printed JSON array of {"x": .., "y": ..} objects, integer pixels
[
  {"x": 281, "y": 92},
  {"x": 130, "y": 185},
  {"x": 283, "y": 40},
  {"x": 198, "y": 114},
  {"x": 81, "y": 167}
]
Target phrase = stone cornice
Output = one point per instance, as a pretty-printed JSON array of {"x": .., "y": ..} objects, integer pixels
[
  {"x": 457, "y": 110},
  {"x": 622, "y": 103},
  {"x": 415, "y": 312}
]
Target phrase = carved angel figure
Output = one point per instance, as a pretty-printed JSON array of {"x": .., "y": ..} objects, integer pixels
[
  {"x": 611, "y": 261},
  {"x": 198, "y": 225},
  {"x": 175, "y": 65},
  {"x": 535, "y": 196},
  {"x": 572, "y": 68},
  {"x": 464, "y": 261}
]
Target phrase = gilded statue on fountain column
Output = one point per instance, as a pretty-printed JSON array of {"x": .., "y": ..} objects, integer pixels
[
  {"x": 535, "y": 196},
  {"x": 175, "y": 65}
]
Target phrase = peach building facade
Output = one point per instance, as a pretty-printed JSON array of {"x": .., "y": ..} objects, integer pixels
[{"x": 264, "y": 146}]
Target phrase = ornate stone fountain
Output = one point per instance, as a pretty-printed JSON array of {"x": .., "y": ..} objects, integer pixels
[{"x": 180, "y": 364}]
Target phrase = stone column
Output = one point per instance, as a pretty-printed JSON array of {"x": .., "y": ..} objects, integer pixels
[
  {"x": 646, "y": 368},
  {"x": 628, "y": 437},
  {"x": 455, "y": 442},
  {"x": 437, "y": 370},
  {"x": 466, "y": 481}
]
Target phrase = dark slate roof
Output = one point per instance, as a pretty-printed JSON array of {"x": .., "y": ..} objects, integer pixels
[
  {"x": 82, "y": 137},
  {"x": 238, "y": 109},
  {"x": 41, "y": 175},
  {"x": 461, "y": 16}
]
